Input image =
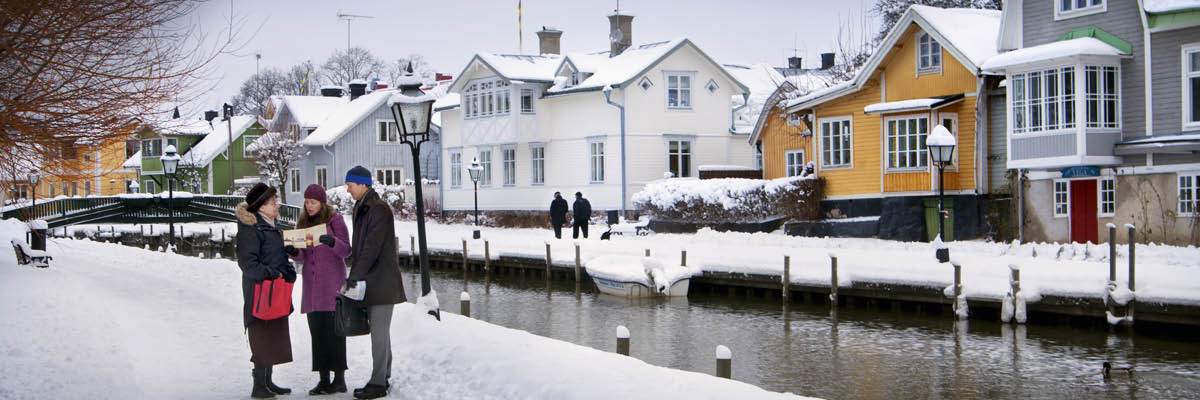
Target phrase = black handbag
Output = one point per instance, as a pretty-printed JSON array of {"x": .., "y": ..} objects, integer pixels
[{"x": 352, "y": 318}]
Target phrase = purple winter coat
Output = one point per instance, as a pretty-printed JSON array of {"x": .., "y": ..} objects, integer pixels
[{"x": 325, "y": 268}]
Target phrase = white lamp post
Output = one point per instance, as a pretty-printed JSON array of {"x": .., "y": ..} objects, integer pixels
[
  {"x": 412, "y": 109},
  {"x": 476, "y": 172},
  {"x": 170, "y": 161},
  {"x": 941, "y": 151}
]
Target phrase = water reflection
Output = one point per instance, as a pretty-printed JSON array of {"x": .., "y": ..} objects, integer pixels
[{"x": 823, "y": 351}]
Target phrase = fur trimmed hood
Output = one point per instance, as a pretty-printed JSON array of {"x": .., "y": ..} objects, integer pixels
[{"x": 244, "y": 215}]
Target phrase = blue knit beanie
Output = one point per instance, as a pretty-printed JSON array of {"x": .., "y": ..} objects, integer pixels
[{"x": 359, "y": 175}]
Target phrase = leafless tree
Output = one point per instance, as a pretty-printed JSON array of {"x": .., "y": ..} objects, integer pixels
[
  {"x": 301, "y": 79},
  {"x": 890, "y": 11},
  {"x": 275, "y": 152},
  {"x": 853, "y": 48},
  {"x": 82, "y": 70},
  {"x": 345, "y": 66},
  {"x": 252, "y": 97},
  {"x": 399, "y": 67}
]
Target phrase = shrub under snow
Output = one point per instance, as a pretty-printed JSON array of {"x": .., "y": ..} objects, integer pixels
[{"x": 731, "y": 199}]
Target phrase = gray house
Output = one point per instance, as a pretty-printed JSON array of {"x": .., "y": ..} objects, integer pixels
[
  {"x": 1102, "y": 116},
  {"x": 342, "y": 132}
]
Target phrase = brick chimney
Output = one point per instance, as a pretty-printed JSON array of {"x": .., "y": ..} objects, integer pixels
[
  {"x": 794, "y": 63},
  {"x": 826, "y": 60},
  {"x": 548, "y": 40},
  {"x": 620, "y": 33},
  {"x": 331, "y": 91},
  {"x": 358, "y": 87}
]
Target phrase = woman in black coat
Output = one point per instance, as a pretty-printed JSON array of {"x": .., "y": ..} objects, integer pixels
[{"x": 261, "y": 256}]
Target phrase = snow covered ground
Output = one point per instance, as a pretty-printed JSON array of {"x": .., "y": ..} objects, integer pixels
[{"x": 110, "y": 321}]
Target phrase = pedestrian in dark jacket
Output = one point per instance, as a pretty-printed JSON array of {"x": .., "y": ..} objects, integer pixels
[
  {"x": 558, "y": 214},
  {"x": 324, "y": 272},
  {"x": 261, "y": 256},
  {"x": 583, "y": 213},
  {"x": 373, "y": 259}
]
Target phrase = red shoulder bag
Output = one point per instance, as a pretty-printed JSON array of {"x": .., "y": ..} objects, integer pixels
[{"x": 272, "y": 299}]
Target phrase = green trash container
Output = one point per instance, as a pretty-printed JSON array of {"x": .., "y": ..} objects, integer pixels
[{"x": 931, "y": 222}]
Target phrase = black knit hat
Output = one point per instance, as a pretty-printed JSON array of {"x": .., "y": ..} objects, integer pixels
[{"x": 258, "y": 195}]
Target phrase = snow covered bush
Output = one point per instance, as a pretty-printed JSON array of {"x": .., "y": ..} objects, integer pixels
[
  {"x": 340, "y": 199},
  {"x": 731, "y": 199}
]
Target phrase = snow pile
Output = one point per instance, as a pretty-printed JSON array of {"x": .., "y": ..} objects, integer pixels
[
  {"x": 11, "y": 229},
  {"x": 1165, "y": 6},
  {"x": 664, "y": 276},
  {"x": 902, "y": 105},
  {"x": 726, "y": 200},
  {"x": 619, "y": 269},
  {"x": 75, "y": 330}
]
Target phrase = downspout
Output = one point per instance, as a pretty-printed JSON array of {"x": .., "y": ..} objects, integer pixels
[
  {"x": 1149, "y": 88},
  {"x": 332, "y": 162},
  {"x": 624, "y": 185},
  {"x": 1021, "y": 206},
  {"x": 733, "y": 112}
]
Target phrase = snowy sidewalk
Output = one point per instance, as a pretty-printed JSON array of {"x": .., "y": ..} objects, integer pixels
[{"x": 110, "y": 321}]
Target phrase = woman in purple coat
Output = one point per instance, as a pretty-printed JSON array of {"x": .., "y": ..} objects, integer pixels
[{"x": 323, "y": 274}]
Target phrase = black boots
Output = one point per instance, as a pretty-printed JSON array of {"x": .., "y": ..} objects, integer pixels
[
  {"x": 260, "y": 390},
  {"x": 337, "y": 385},
  {"x": 271, "y": 385},
  {"x": 371, "y": 391}
]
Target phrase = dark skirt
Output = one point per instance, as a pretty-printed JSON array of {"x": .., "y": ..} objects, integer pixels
[
  {"x": 270, "y": 342},
  {"x": 328, "y": 349}
]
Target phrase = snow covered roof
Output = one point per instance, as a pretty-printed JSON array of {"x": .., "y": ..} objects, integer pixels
[
  {"x": 1150, "y": 144},
  {"x": 1084, "y": 46},
  {"x": 133, "y": 162},
  {"x": 1166, "y": 6},
  {"x": 342, "y": 118},
  {"x": 620, "y": 70},
  {"x": 911, "y": 104},
  {"x": 762, "y": 79},
  {"x": 309, "y": 111},
  {"x": 521, "y": 67},
  {"x": 184, "y": 127},
  {"x": 217, "y": 140},
  {"x": 968, "y": 34},
  {"x": 449, "y": 101}
]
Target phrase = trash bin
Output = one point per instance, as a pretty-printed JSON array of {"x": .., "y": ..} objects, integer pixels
[
  {"x": 612, "y": 217},
  {"x": 37, "y": 236},
  {"x": 931, "y": 216}
]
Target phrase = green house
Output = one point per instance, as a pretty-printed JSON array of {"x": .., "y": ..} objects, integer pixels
[{"x": 205, "y": 165}]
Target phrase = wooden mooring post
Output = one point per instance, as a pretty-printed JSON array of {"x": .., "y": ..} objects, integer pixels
[
  {"x": 960, "y": 302},
  {"x": 647, "y": 252},
  {"x": 1132, "y": 272},
  {"x": 724, "y": 362},
  {"x": 683, "y": 258},
  {"x": 622, "y": 340},
  {"x": 487, "y": 268},
  {"x": 787, "y": 278},
  {"x": 548, "y": 260},
  {"x": 833, "y": 280},
  {"x": 464, "y": 258},
  {"x": 577, "y": 266},
  {"x": 464, "y": 304},
  {"x": 412, "y": 250}
]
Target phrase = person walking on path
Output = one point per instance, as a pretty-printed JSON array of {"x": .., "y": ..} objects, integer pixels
[
  {"x": 583, "y": 213},
  {"x": 558, "y": 214},
  {"x": 261, "y": 256},
  {"x": 324, "y": 272},
  {"x": 373, "y": 259}
]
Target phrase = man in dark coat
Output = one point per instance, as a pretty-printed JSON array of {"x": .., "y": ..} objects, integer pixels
[
  {"x": 583, "y": 213},
  {"x": 373, "y": 259},
  {"x": 261, "y": 256},
  {"x": 558, "y": 214}
]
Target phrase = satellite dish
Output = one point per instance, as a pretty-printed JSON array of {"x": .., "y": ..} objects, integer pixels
[{"x": 616, "y": 36}]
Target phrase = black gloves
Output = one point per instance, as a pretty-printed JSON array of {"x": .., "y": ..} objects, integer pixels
[
  {"x": 291, "y": 250},
  {"x": 326, "y": 240},
  {"x": 289, "y": 274}
]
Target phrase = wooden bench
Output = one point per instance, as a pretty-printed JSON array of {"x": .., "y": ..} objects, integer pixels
[{"x": 28, "y": 256}]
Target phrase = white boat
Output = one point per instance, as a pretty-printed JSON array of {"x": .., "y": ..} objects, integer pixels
[{"x": 635, "y": 277}]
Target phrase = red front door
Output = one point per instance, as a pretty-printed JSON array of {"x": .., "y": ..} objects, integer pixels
[{"x": 1083, "y": 211}]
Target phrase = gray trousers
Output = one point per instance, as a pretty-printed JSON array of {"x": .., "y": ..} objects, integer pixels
[{"x": 381, "y": 343}]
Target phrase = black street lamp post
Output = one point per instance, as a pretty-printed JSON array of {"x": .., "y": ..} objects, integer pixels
[
  {"x": 476, "y": 171},
  {"x": 412, "y": 109},
  {"x": 33, "y": 181},
  {"x": 941, "y": 150},
  {"x": 170, "y": 162}
]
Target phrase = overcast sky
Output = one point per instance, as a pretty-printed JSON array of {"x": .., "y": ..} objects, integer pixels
[{"x": 448, "y": 32}]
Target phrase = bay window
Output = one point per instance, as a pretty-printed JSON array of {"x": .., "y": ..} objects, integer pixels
[{"x": 1045, "y": 100}]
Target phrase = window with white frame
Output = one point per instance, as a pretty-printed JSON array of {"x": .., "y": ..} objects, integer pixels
[
  {"x": 679, "y": 90},
  {"x": 294, "y": 180},
  {"x": 389, "y": 176},
  {"x": 1191, "y": 86},
  {"x": 950, "y": 121},
  {"x": 596, "y": 156},
  {"x": 1072, "y": 8},
  {"x": 152, "y": 147},
  {"x": 1062, "y": 199},
  {"x": 527, "y": 101},
  {"x": 1101, "y": 92},
  {"x": 508, "y": 160},
  {"x": 246, "y": 141},
  {"x": 1108, "y": 196},
  {"x": 170, "y": 142},
  {"x": 758, "y": 158},
  {"x": 1189, "y": 194},
  {"x": 929, "y": 54},
  {"x": 485, "y": 161},
  {"x": 794, "y": 162},
  {"x": 128, "y": 187},
  {"x": 456, "y": 168},
  {"x": 906, "y": 142},
  {"x": 87, "y": 187},
  {"x": 148, "y": 186},
  {"x": 322, "y": 174},
  {"x": 537, "y": 156},
  {"x": 1043, "y": 100},
  {"x": 386, "y": 132},
  {"x": 679, "y": 158},
  {"x": 835, "y": 142}
]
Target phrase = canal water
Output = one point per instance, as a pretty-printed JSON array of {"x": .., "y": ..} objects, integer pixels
[{"x": 857, "y": 353}]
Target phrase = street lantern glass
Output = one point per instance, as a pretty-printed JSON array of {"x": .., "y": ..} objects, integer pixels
[
  {"x": 33, "y": 177},
  {"x": 941, "y": 145},
  {"x": 475, "y": 169},
  {"x": 412, "y": 108},
  {"x": 942, "y": 154},
  {"x": 170, "y": 160}
]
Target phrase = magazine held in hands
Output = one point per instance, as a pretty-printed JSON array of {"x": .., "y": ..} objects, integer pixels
[{"x": 303, "y": 238}]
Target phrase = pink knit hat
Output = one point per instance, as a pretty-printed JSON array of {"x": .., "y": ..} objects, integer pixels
[{"x": 315, "y": 192}]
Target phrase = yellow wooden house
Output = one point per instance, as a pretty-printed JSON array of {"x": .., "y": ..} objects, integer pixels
[
  {"x": 88, "y": 169},
  {"x": 868, "y": 141}
]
